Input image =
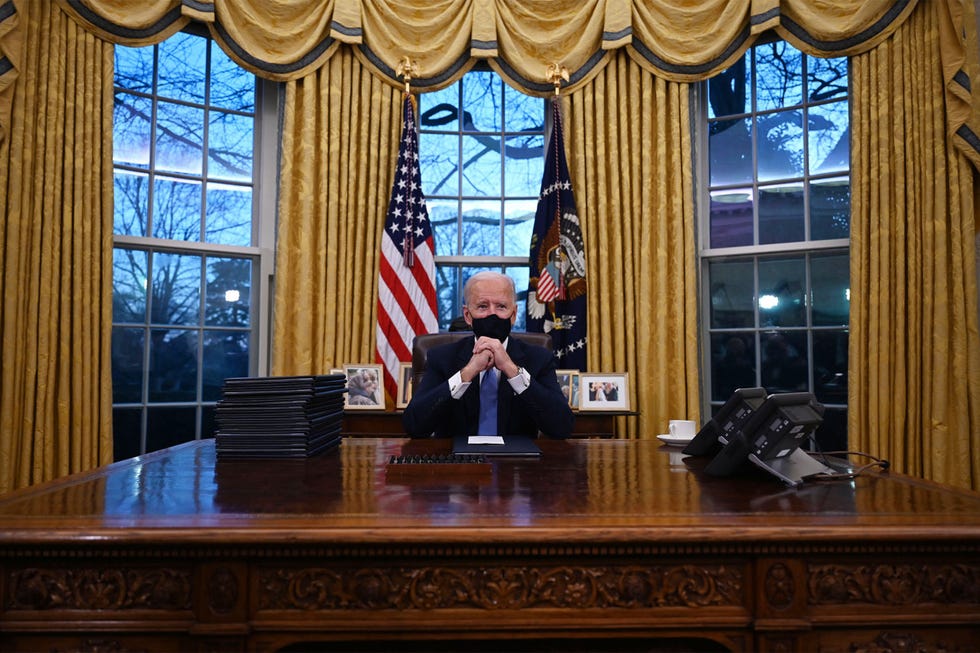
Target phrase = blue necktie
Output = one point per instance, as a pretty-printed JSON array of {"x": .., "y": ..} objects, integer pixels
[{"x": 488, "y": 403}]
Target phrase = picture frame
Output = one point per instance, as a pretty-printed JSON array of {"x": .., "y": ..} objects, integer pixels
[
  {"x": 365, "y": 387},
  {"x": 568, "y": 382},
  {"x": 404, "y": 385},
  {"x": 604, "y": 391}
]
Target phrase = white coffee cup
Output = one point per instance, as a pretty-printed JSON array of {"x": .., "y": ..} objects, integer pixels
[{"x": 682, "y": 428}]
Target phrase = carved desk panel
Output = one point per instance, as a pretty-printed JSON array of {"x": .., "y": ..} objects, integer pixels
[{"x": 598, "y": 545}]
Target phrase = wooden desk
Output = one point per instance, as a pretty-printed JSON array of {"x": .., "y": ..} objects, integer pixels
[
  {"x": 387, "y": 423},
  {"x": 599, "y": 545}
]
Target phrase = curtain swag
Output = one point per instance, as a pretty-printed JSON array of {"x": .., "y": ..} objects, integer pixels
[{"x": 676, "y": 40}]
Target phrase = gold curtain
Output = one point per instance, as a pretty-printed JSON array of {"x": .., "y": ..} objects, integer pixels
[
  {"x": 56, "y": 253},
  {"x": 630, "y": 160},
  {"x": 914, "y": 363},
  {"x": 335, "y": 180}
]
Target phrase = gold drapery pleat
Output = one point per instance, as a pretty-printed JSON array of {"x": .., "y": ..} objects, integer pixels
[
  {"x": 914, "y": 347},
  {"x": 337, "y": 170},
  {"x": 630, "y": 160},
  {"x": 56, "y": 254}
]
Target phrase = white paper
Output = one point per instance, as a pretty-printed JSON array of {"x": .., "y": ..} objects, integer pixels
[{"x": 485, "y": 439}]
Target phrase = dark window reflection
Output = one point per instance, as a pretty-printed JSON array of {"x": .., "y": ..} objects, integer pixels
[
  {"x": 781, "y": 214},
  {"x": 167, "y": 426},
  {"x": 782, "y": 294},
  {"x": 127, "y": 365},
  {"x": 126, "y": 432},
  {"x": 732, "y": 288},
  {"x": 784, "y": 366},
  {"x": 830, "y": 209},
  {"x": 732, "y": 363},
  {"x": 173, "y": 365},
  {"x": 830, "y": 366}
]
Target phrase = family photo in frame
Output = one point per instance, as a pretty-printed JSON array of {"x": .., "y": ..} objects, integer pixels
[
  {"x": 604, "y": 391},
  {"x": 365, "y": 390}
]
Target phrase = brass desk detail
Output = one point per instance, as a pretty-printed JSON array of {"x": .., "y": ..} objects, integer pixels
[{"x": 600, "y": 545}]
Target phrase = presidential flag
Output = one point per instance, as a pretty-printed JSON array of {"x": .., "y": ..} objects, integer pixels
[
  {"x": 556, "y": 298},
  {"x": 406, "y": 284}
]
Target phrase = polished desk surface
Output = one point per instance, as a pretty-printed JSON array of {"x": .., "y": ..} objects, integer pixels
[{"x": 579, "y": 490}]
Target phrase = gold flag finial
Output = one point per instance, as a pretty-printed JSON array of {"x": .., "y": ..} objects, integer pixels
[
  {"x": 407, "y": 69},
  {"x": 556, "y": 73}
]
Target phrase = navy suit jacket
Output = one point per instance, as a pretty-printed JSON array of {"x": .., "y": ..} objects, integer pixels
[{"x": 541, "y": 407}]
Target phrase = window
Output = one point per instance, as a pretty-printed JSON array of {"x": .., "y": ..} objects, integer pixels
[
  {"x": 774, "y": 230},
  {"x": 481, "y": 149},
  {"x": 185, "y": 257}
]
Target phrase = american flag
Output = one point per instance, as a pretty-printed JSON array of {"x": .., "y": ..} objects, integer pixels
[
  {"x": 556, "y": 298},
  {"x": 406, "y": 284}
]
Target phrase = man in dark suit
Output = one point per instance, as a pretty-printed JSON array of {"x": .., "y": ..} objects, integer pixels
[{"x": 529, "y": 399}]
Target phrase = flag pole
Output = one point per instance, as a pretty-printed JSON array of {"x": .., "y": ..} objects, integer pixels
[{"x": 556, "y": 73}]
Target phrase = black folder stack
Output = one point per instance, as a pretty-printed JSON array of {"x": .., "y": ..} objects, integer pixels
[{"x": 279, "y": 416}]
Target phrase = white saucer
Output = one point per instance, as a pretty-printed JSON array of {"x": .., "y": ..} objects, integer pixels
[{"x": 667, "y": 438}]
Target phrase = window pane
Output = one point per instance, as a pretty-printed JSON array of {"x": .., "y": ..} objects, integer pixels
[
  {"x": 779, "y": 76},
  {"x": 830, "y": 208},
  {"x": 131, "y": 116},
  {"x": 784, "y": 367},
  {"x": 443, "y": 216},
  {"x": 728, "y": 91},
  {"x": 481, "y": 166},
  {"x": 830, "y": 366},
  {"x": 481, "y": 228},
  {"x": 228, "y": 292},
  {"x": 523, "y": 112},
  {"x": 781, "y": 214},
  {"x": 731, "y": 220},
  {"x": 780, "y": 145},
  {"x": 130, "y": 198},
  {"x": 524, "y": 165},
  {"x": 231, "y": 86},
  {"x": 448, "y": 294},
  {"x": 180, "y": 138},
  {"x": 230, "y": 146},
  {"x": 826, "y": 78},
  {"x": 126, "y": 429},
  {"x": 518, "y": 226},
  {"x": 229, "y": 214},
  {"x": 173, "y": 365},
  {"x": 225, "y": 356},
  {"x": 730, "y": 146},
  {"x": 732, "y": 286},
  {"x": 520, "y": 276},
  {"x": 177, "y": 209},
  {"x": 127, "y": 365},
  {"x": 438, "y": 157},
  {"x": 481, "y": 101},
  {"x": 439, "y": 110},
  {"x": 732, "y": 363},
  {"x": 830, "y": 281},
  {"x": 129, "y": 275},
  {"x": 133, "y": 68},
  {"x": 183, "y": 66},
  {"x": 167, "y": 426},
  {"x": 829, "y": 134},
  {"x": 176, "y": 289},
  {"x": 782, "y": 292}
]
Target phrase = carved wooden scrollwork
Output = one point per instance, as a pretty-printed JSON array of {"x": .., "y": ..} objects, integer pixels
[
  {"x": 779, "y": 587},
  {"x": 900, "y": 642},
  {"x": 894, "y": 584},
  {"x": 499, "y": 587},
  {"x": 99, "y": 589},
  {"x": 222, "y": 591}
]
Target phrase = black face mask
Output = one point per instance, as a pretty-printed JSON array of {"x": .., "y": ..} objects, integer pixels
[{"x": 492, "y": 326}]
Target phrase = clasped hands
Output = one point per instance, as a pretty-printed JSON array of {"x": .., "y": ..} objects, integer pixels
[{"x": 487, "y": 353}]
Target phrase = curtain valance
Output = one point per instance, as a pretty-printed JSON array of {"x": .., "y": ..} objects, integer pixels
[{"x": 677, "y": 40}]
